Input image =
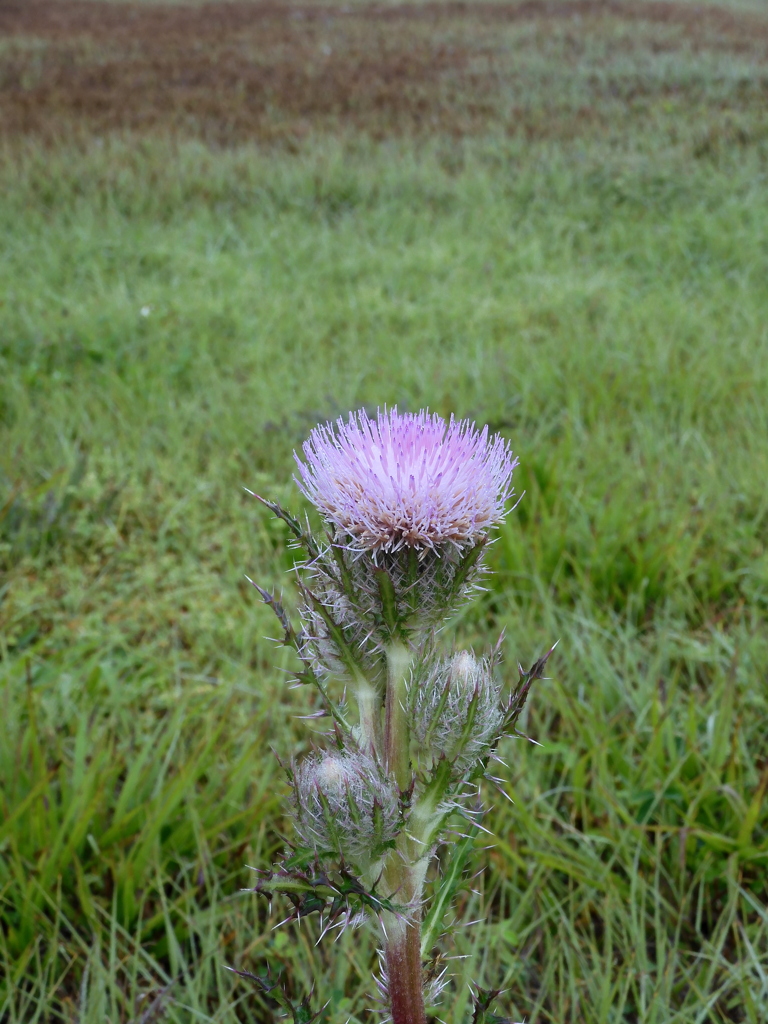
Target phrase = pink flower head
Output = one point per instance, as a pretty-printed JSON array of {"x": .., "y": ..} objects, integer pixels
[{"x": 407, "y": 479}]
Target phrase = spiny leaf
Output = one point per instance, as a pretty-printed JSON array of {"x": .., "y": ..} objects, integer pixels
[
  {"x": 314, "y": 889},
  {"x": 347, "y": 653},
  {"x": 270, "y": 986},
  {"x": 459, "y": 855},
  {"x": 482, "y": 1013},
  {"x": 344, "y": 577},
  {"x": 302, "y": 535},
  {"x": 290, "y": 638},
  {"x": 293, "y": 639},
  {"x": 520, "y": 693},
  {"x": 388, "y": 600},
  {"x": 514, "y": 708},
  {"x": 467, "y": 563}
]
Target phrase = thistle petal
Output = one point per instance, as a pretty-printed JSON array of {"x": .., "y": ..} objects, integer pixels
[{"x": 407, "y": 480}]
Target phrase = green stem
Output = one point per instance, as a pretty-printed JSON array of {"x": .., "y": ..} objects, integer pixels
[
  {"x": 403, "y": 947},
  {"x": 397, "y": 737},
  {"x": 369, "y": 707}
]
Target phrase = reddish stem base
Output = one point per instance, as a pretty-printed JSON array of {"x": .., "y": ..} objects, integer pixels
[{"x": 406, "y": 992}]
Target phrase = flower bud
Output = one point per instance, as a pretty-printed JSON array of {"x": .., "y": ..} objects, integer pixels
[
  {"x": 345, "y": 805},
  {"x": 457, "y": 711}
]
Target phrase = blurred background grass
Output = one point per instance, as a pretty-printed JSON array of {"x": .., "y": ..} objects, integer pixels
[{"x": 220, "y": 226}]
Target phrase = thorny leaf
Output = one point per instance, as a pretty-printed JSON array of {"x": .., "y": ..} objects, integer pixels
[
  {"x": 468, "y": 561},
  {"x": 303, "y": 537},
  {"x": 292, "y": 639},
  {"x": 459, "y": 855},
  {"x": 346, "y": 652},
  {"x": 345, "y": 579},
  {"x": 515, "y": 707},
  {"x": 482, "y": 1014},
  {"x": 520, "y": 693},
  {"x": 332, "y": 893},
  {"x": 388, "y": 600},
  {"x": 271, "y": 988}
]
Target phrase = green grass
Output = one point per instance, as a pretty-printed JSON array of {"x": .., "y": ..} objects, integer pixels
[{"x": 174, "y": 319}]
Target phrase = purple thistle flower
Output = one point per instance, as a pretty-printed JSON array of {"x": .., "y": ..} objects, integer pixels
[{"x": 407, "y": 480}]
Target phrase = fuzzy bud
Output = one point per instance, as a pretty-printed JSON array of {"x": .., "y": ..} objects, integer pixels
[
  {"x": 457, "y": 710},
  {"x": 345, "y": 804}
]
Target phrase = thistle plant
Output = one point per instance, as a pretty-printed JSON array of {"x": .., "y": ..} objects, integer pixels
[{"x": 408, "y": 503}]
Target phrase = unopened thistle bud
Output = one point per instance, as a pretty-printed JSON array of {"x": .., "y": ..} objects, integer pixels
[
  {"x": 345, "y": 805},
  {"x": 457, "y": 711}
]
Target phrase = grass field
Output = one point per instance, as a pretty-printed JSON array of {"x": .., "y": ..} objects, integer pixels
[{"x": 221, "y": 225}]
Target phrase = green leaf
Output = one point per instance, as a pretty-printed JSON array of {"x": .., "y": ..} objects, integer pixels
[
  {"x": 388, "y": 600},
  {"x": 291, "y": 639},
  {"x": 467, "y": 563},
  {"x": 752, "y": 816},
  {"x": 441, "y": 901},
  {"x": 346, "y": 651},
  {"x": 270, "y": 986},
  {"x": 303, "y": 536},
  {"x": 313, "y": 889},
  {"x": 482, "y": 1013}
]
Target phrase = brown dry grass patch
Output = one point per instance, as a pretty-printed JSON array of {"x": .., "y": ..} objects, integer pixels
[{"x": 229, "y": 72}]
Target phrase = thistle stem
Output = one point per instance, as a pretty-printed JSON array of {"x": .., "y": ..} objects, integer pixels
[
  {"x": 369, "y": 706},
  {"x": 404, "y": 976},
  {"x": 403, "y": 947},
  {"x": 397, "y": 738}
]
